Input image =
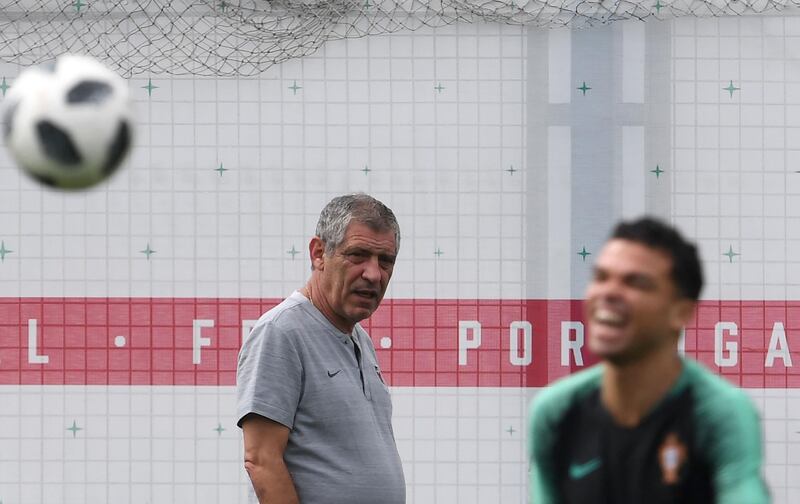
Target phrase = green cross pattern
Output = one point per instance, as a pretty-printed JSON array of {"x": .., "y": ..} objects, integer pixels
[
  {"x": 4, "y": 87},
  {"x": 74, "y": 428},
  {"x": 147, "y": 251},
  {"x": 731, "y": 88},
  {"x": 293, "y": 252},
  {"x": 511, "y": 170},
  {"x": 658, "y": 171},
  {"x": 583, "y": 253},
  {"x": 78, "y": 4},
  {"x": 221, "y": 169},
  {"x": 366, "y": 170},
  {"x": 294, "y": 87},
  {"x": 4, "y": 251},
  {"x": 730, "y": 253},
  {"x": 583, "y": 87},
  {"x": 439, "y": 88},
  {"x": 219, "y": 428},
  {"x": 150, "y": 87},
  {"x": 438, "y": 252}
]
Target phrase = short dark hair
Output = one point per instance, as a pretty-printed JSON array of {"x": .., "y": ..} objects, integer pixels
[{"x": 687, "y": 273}]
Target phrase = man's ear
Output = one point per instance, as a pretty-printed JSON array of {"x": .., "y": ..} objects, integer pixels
[
  {"x": 316, "y": 251},
  {"x": 681, "y": 313}
]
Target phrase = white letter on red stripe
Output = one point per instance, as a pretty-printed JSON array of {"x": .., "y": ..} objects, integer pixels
[
  {"x": 731, "y": 346},
  {"x": 32, "y": 344},
  {"x": 527, "y": 348},
  {"x": 464, "y": 341},
  {"x": 568, "y": 345},
  {"x": 197, "y": 340},
  {"x": 778, "y": 347}
]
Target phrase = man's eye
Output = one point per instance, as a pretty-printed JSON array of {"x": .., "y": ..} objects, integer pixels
[{"x": 640, "y": 282}]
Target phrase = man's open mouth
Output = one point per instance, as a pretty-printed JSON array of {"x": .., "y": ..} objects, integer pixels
[{"x": 608, "y": 317}]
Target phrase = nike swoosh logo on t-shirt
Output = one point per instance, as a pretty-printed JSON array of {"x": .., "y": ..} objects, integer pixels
[
  {"x": 334, "y": 373},
  {"x": 579, "y": 471}
]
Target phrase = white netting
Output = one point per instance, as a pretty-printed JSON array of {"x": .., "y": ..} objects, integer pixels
[{"x": 245, "y": 37}]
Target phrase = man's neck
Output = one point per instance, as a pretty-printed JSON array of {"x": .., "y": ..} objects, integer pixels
[
  {"x": 314, "y": 295},
  {"x": 630, "y": 391}
]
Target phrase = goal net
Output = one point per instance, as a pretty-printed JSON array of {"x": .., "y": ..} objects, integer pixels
[{"x": 245, "y": 37}]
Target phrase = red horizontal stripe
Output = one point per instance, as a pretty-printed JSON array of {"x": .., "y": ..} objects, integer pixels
[{"x": 78, "y": 337}]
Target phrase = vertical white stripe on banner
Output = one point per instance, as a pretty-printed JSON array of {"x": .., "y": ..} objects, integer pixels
[
  {"x": 559, "y": 66},
  {"x": 633, "y": 172},
  {"x": 559, "y": 211},
  {"x": 633, "y": 47}
]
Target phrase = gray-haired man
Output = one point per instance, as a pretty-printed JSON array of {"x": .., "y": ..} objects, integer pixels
[{"x": 311, "y": 401}]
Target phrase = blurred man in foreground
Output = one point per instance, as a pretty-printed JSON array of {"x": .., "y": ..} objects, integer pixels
[{"x": 645, "y": 425}]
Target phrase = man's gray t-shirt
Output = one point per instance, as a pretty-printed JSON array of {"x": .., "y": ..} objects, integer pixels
[{"x": 297, "y": 369}]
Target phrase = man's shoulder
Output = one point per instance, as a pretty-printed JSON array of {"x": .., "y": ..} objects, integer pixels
[
  {"x": 277, "y": 324},
  {"x": 726, "y": 420},
  {"x": 551, "y": 403},
  {"x": 715, "y": 398},
  {"x": 728, "y": 433},
  {"x": 283, "y": 314}
]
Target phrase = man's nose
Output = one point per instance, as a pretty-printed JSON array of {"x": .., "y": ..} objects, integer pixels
[
  {"x": 607, "y": 289},
  {"x": 372, "y": 270}
]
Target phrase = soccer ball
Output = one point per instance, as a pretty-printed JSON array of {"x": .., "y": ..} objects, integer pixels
[{"x": 68, "y": 124}]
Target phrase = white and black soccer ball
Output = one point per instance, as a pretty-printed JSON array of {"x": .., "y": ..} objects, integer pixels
[{"x": 68, "y": 124}]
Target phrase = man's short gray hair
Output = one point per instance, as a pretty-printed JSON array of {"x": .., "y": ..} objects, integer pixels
[{"x": 358, "y": 207}]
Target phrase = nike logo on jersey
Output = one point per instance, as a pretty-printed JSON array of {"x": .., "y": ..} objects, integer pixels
[
  {"x": 334, "y": 373},
  {"x": 580, "y": 471}
]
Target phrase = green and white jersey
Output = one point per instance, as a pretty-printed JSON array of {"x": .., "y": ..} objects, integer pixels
[{"x": 700, "y": 444}]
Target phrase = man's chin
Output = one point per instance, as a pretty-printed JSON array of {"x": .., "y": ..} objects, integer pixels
[
  {"x": 606, "y": 347},
  {"x": 618, "y": 355},
  {"x": 360, "y": 313}
]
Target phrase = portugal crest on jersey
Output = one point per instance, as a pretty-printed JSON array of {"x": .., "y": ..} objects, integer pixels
[{"x": 671, "y": 456}]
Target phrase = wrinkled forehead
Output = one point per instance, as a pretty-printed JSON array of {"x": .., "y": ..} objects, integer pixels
[{"x": 370, "y": 235}]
